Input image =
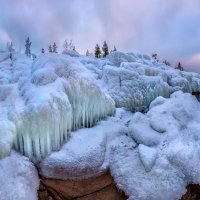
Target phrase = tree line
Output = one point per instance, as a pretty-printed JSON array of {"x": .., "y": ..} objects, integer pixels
[
  {"x": 179, "y": 65},
  {"x": 70, "y": 46},
  {"x": 98, "y": 52}
]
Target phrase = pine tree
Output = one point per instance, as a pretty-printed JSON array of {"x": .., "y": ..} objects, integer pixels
[
  {"x": 179, "y": 67},
  {"x": 50, "y": 49},
  {"x": 68, "y": 45},
  {"x": 10, "y": 49},
  {"x": 87, "y": 53},
  {"x": 28, "y": 47},
  {"x": 97, "y": 51},
  {"x": 114, "y": 49},
  {"x": 166, "y": 63},
  {"x": 54, "y": 48},
  {"x": 155, "y": 57},
  {"x": 42, "y": 50},
  {"x": 105, "y": 49}
]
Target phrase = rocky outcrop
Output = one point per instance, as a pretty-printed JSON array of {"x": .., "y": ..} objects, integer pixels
[{"x": 99, "y": 188}]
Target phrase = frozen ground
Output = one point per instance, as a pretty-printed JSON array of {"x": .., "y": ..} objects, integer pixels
[{"x": 57, "y": 103}]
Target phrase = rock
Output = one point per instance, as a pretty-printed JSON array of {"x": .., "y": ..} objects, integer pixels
[
  {"x": 193, "y": 192},
  {"x": 98, "y": 188}
]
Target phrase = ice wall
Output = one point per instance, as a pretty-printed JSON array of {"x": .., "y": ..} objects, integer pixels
[{"x": 49, "y": 98}]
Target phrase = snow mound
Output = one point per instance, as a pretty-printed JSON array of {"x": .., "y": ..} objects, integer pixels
[
  {"x": 50, "y": 97},
  {"x": 18, "y": 178},
  {"x": 162, "y": 170}
]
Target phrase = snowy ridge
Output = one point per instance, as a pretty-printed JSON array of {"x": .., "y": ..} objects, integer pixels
[
  {"x": 51, "y": 97},
  {"x": 134, "y": 80}
]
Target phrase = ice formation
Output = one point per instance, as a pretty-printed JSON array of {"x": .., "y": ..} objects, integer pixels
[
  {"x": 41, "y": 102},
  {"x": 86, "y": 154},
  {"x": 134, "y": 80},
  {"x": 142, "y": 168}
]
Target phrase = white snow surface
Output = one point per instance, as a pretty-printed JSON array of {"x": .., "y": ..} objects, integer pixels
[
  {"x": 18, "y": 178},
  {"x": 161, "y": 170},
  {"x": 144, "y": 169},
  {"x": 44, "y": 102},
  {"x": 86, "y": 154},
  {"x": 134, "y": 80}
]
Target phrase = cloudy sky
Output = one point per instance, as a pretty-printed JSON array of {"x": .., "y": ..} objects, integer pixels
[{"x": 169, "y": 28}]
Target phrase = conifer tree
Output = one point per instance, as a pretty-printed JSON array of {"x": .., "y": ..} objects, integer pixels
[
  {"x": 114, "y": 49},
  {"x": 10, "y": 49},
  {"x": 28, "y": 47},
  {"x": 87, "y": 53},
  {"x": 105, "y": 49},
  {"x": 50, "y": 49},
  {"x": 97, "y": 51},
  {"x": 155, "y": 57},
  {"x": 54, "y": 48},
  {"x": 179, "y": 67},
  {"x": 42, "y": 50},
  {"x": 166, "y": 63}
]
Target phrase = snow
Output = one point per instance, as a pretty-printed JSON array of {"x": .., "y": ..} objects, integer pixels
[
  {"x": 141, "y": 131},
  {"x": 148, "y": 156},
  {"x": 135, "y": 80},
  {"x": 162, "y": 170},
  {"x": 49, "y": 97},
  {"x": 86, "y": 154},
  {"x": 56, "y": 103},
  {"x": 18, "y": 178}
]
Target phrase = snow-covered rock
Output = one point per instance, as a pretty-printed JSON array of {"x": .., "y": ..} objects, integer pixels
[
  {"x": 86, "y": 154},
  {"x": 169, "y": 165},
  {"x": 141, "y": 131},
  {"x": 18, "y": 178}
]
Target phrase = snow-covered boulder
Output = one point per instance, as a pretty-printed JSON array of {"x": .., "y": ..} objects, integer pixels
[
  {"x": 146, "y": 171},
  {"x": 18, "y": 178},
  {"x": 86, "y": 154}
]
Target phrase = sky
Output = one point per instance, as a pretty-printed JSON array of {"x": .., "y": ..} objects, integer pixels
[{"x": 169, "y": 28}]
